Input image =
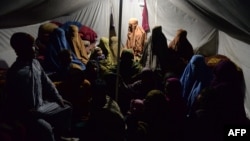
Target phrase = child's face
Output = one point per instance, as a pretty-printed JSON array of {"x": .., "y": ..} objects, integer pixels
[{"x": 99, "y": 52}]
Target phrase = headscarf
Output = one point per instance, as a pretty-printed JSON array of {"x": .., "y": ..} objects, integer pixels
[
  {"x": 136, "y": 106},
  {"x": 181, "y": 45},
  {"x": 44, "y": 32},
  {"x": 225, "y": 73},
  {"x": 173, "y": 88},
  {"x": 136, "y": 37},
  {"x": 155, "y": 104},
  {"x": 129, "y": 68},
  {"x": 228, "y": 85},
  {"x": 66, "y": 26},
  {"x": 127, "y": 55},
  {"x": 156, "y": 54},
  {"x": 177, "y": 105},
  {"x": 58, "y": 43},
  {"x": 77, "y": 44},
  {"x": 88, "y": 34},
  {"x": 196, "y": 76},
  {"x": 106, "y": 64},
  {"x": 104, "y": 45}
]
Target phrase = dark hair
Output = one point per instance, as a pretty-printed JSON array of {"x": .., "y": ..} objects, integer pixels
[{"x": 21, "y": 40}]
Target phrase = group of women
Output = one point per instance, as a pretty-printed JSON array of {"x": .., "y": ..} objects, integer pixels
[{"x": 165, "y": 92}]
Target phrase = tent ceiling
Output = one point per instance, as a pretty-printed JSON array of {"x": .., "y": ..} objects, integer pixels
[
  {"x": 14, "y": 13},
  {"x": 230, "y": 16}
]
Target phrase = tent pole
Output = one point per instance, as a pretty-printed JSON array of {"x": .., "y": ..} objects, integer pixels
[{"x": 119, "y": 50}]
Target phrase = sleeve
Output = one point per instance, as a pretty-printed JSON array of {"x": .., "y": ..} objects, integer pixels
[{"x": 49, "y": 89}]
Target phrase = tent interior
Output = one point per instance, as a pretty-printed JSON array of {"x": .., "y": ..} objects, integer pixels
[{"x": 213, "y": 27}]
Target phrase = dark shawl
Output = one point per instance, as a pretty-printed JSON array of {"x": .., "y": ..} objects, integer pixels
[
  {"x": 156, "y": 55},
  {"x": 182, "y": 46},
  {"x": 228, "y": 86}
]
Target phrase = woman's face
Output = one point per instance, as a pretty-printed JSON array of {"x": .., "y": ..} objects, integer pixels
[{"x": 132, "y": 25}]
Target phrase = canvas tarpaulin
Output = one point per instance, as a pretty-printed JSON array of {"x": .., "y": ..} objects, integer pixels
[{"x": 220, "y": 26}]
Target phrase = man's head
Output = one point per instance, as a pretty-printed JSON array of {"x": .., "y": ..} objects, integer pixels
[{"x": 23, "y": 44}]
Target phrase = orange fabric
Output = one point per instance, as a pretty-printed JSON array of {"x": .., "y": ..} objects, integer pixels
[
  {"x": 181, "y": 45},
  {"x": 136, "y": 37},
  {"x": 212, "y": 61},
  {"x": 77, "y": 44}
]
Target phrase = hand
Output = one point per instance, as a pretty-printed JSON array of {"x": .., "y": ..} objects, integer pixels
[
  {"x": 33, "y": 112},
  {"x": 62, "y": 102},
  {"x": 67, "y": 102}
]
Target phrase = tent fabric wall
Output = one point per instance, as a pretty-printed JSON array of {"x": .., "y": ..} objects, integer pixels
[
  {"x": 213, "y": 26},
  {"x": 95, "y": 16}
]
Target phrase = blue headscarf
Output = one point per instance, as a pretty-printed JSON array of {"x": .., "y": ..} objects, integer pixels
[
  {"x": 67, "y": 24},
  {"x": 196, "y": 76},
  {"x": 58, "y": 43}
]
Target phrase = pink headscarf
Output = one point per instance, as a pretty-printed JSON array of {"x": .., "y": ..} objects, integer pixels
[{"x": 88, "y": 34}]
